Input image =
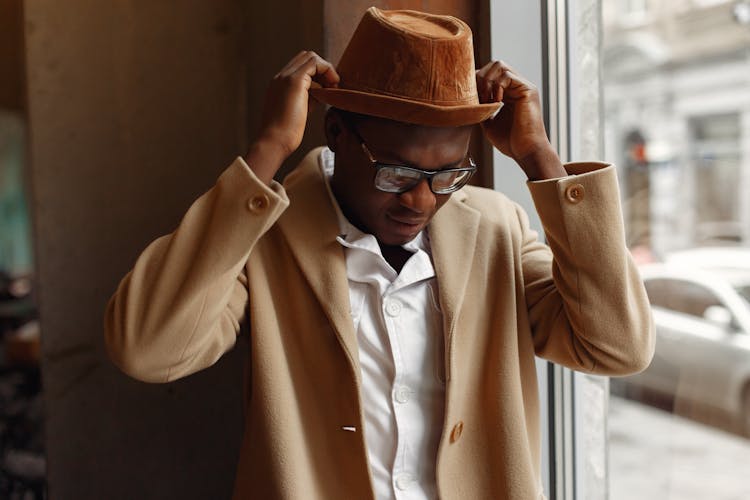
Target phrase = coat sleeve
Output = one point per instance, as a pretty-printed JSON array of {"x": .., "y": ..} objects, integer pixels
[
  {"x": 179, "y": 309},
  {"x": 587, "y": 304}
]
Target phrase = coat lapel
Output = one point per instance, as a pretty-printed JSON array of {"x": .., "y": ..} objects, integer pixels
[
  {"x": 310, "y": 226},
  {"x": 453, "y": 238}
]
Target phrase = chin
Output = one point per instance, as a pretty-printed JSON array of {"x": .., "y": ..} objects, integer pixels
[{"x": 397, "y": 239}]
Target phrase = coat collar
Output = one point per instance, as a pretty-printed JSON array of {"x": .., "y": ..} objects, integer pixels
[{"x": 310, "y": 226}]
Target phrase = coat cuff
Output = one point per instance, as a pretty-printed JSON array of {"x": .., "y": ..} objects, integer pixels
[
  {"x": 589, "y": 185},
  {"x": 258, "y": 198}
]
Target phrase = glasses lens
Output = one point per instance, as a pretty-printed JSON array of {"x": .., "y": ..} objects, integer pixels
[
  {"x": 395, "y": 179},
  {"x": 451, "y": 180}
]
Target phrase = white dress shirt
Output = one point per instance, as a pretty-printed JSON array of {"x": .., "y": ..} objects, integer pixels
[{"x": 399, "y": 331}]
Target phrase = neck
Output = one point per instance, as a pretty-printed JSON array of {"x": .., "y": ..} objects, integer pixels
[{"x": 395, "y": 255}]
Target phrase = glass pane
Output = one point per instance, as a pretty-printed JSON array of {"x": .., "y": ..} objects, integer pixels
[{"x": 677, "y": 124}]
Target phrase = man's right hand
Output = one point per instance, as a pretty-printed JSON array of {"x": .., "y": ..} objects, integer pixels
[{"x": 285, "y": 111}]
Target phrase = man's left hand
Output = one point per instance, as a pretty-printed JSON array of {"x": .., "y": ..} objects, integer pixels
[{"x": 518, "y": 128}]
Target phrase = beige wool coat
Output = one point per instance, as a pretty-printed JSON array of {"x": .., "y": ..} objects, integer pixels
[{"x": 268, "y": 256}]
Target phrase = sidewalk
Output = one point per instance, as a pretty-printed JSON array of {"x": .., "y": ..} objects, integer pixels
[{"x": 657, "y": 456}]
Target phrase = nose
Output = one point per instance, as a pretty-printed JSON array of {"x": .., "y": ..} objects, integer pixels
[{"x": 419, "y": 199}]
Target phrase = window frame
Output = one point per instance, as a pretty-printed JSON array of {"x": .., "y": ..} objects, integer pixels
[{"x": 535, "y": 39}]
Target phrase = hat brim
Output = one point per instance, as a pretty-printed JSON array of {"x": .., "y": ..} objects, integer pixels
[{"x": 404, "y": 110}]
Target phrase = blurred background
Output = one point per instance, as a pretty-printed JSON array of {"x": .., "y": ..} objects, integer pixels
[
  {"x": 22, "y": 460},
  {"x": 676, "y": 85}
]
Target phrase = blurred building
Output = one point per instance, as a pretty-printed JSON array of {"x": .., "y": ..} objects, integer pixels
[{"x": 677, "y": 114}]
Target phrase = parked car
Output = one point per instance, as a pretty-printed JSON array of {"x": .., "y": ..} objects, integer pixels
[
  {"x": 725, "y": 259},
  {"x": 731, "y": 263},
  {"x": 702, "y": 360}
]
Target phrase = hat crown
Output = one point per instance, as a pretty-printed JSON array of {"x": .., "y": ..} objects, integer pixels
[{"x": 411, "y": 55}]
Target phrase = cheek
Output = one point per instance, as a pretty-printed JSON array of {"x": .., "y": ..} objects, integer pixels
[
  {"x": 379, "y": 203},
  {"x": 372, "y": 205},
  {"x": 441, "y": 200}
]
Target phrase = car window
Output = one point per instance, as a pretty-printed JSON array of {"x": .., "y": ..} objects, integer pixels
[{"x": 681, "y": 296}]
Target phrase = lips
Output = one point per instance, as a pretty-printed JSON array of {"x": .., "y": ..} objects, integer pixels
[{"x": 408, "y": 221}]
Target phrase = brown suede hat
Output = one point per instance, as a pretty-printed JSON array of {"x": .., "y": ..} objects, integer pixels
[{"x": 410, "y": 67}]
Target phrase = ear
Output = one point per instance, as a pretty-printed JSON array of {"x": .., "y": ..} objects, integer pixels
[{"x": 334, "y": 129}]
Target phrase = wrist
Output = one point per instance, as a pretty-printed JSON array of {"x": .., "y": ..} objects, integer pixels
[
  {"x": 264, "y": 157},
  {"x": 541, "y": 164}
]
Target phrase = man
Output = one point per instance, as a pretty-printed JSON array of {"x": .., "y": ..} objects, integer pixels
[{"x": 393, "y": 313}]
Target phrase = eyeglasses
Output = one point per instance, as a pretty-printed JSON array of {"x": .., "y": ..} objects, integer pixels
[{"x": 395, "y": 178}]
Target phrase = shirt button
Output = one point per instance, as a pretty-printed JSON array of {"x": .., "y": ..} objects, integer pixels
[
  {"x": 258, "y": 204},
  {"x": 402, "y": 394},
  {"x": 393, "y": 307},
  {"x": 404, "y": 481},
  {"x": 574, "y": 193}
]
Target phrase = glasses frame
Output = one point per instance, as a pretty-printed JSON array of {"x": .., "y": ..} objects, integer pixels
[{"x": 423, "y": 174}]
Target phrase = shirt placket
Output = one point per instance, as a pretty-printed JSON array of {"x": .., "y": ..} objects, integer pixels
[
  {"x": 401, "y": 320},
  {"x": 400, "y": 324},
  {"x": 403, "y": 474}
]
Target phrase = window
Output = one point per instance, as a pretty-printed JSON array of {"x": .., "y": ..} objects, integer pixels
[
  {"x": 676, "y": 125},
  {"x": 633, "y": 12},
  {"x": 634, "y": 7}
]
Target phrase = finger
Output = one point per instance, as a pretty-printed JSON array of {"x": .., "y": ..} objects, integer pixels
[
  {"x": 497, "y": 68},
  {"x": 515, "y": 85},
  {"x": 507, "y": 66},
  {"x": 484, "y": 69},
  {"x": 325, "y": 73},
  {"x": 518, "y": 81},
  {"x": 500, "y": 81},
  {"x": 491, "y": 82},
  {"x": 294, "y": 63},
  {"x": 516, "y": 77},
  {"x": 319, "y": 70},
  {"x": 484, "y": 85},
  {"x": 498, "y": 90},
  {"x": 301, "y": 62},
  {"x": 484, "y": 89}
]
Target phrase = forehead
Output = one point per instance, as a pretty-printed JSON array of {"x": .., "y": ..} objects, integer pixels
[{"x": 419, "y": 145}]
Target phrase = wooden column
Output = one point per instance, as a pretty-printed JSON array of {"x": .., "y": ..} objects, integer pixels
[{"x": 134, "y": 110}]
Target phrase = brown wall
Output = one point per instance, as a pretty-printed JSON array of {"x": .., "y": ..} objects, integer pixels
[
  {"x": 134, "y": 109},
  {"x": 11, "y": 55},
  {"x": 342, "y": 16}
]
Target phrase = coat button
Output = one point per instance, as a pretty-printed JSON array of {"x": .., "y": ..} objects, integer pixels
[
  {"x": 258, "y": 204},
  {"x": 458, "y": 429},
  {"x": 574, "y": 193}
]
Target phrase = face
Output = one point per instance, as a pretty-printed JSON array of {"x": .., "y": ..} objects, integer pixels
[{"x": 394, "y": 219}]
